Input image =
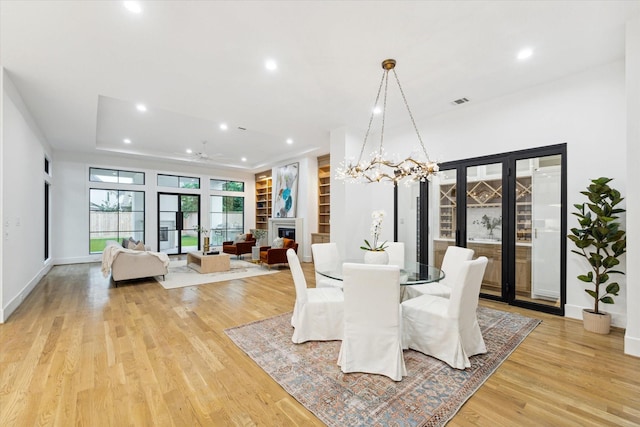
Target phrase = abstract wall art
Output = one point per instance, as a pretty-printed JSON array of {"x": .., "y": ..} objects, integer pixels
[{"x": 286, "y": 186}]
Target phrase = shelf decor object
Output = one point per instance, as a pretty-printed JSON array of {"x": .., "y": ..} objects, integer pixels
[{"x": 380, "y": 167}]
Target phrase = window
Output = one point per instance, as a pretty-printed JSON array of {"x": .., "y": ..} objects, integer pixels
[
  {"x": 116, "y": 176},
  {"x": 227, "y": 218},
  {"x": 114, "y": 215},
  {"x": 178, "y": 181},
  {"x": 47, "y": 183},
  {"x": 46, "y": 220},
  {"x": 223, "y": 185}
]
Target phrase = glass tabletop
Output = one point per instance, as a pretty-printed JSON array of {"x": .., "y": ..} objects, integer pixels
[{"x": 413, "y": 273}]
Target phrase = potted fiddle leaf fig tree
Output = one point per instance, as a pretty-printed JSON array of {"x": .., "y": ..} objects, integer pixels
[{"x": 599, "y": 240}]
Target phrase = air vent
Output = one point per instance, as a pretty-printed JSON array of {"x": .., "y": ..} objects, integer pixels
[
  {"x": 241, "y": 128},
  {"x": 460, "y": 101}
]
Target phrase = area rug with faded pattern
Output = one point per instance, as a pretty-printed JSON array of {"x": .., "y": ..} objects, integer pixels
[
  {"x": 180, "y": 275},
  {"x": 430, "y": 395}
]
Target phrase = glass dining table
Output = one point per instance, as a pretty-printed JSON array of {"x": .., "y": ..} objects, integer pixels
[{"x": 413, "y": 274}]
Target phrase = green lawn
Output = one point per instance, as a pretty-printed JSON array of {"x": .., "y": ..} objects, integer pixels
[
  {"x": 189, "y": 241},
  {"x": 98, "y": 245}
]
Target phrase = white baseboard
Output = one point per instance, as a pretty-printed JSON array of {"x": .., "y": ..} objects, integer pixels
[
  {"x": 78, "y": 260},
  {"x": 575, "y": 312},
  {"x": 632, "y": 346},
  {"x": 15, "y": 302}
]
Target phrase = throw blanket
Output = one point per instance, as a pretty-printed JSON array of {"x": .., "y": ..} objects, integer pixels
[{"x": 111, "y": 252}]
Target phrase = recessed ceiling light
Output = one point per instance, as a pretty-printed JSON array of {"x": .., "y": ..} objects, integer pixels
[
  {"x": 126, "y": 141},
  {"x": 525, "y": 53},
  {"x": 289, "y": 141},
  {"x": 377, "y": 110},
  {"x": 244, "y": 159},
  {"x": 271, "y": 65},
  {"x": 189, "y": 151},
  {"x": 224, "y": 126},
  {"x": 133, "y": 6},
  {"x": 141, "y": 107}
]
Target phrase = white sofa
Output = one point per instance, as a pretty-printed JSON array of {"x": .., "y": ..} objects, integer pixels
[{"x": 127, "y": 264}]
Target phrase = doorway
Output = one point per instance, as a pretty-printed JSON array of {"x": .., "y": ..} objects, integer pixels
[
  {"x": 510, "y": 208},
  {"x": 178, "y": 217}
]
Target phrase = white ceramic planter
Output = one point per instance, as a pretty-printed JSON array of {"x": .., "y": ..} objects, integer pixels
[
  {"x": 598, "y": 323},
  {"x": 376, "y": 257}
]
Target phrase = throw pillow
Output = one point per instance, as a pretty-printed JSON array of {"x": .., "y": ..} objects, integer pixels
[
  {"x": 131, "y": 244},
  {"x": 287, "y": 243},
  {"x": 139, "y": 247},
  {"x": 240, "y": 238},
  {"x": 278, "y": 242}
]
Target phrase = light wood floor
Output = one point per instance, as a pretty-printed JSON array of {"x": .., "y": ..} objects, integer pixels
[{"x": 81, "y": 352}]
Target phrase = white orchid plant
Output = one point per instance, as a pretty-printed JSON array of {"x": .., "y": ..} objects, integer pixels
[
  {"x": 376, "y": 228},
  {"x": 202, "y": 230}
]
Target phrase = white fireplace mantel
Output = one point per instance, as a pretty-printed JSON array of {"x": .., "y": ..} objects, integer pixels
[{"x": 276, "y": 223}]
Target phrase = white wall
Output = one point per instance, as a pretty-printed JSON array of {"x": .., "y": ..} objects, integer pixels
[
  {"x": 22, "y": 205},
  {"x": 632, "y": 336},
  {"x": 585, "y": 110},
  {"x": 70, "y": 237}
]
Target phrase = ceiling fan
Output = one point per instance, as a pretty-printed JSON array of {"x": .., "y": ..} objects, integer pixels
[{"x": 203, "y": 155}]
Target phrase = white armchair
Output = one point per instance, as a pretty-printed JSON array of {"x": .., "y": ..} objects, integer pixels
[
  {"x": 325, "y": 256},
  {"x": 372, "y": 339},
  {"x": 452, "y": 262},
  {"x": 395, "y": 250},
  {"x": 317, "y": 313},
  {"x": 447, "y": 329}
]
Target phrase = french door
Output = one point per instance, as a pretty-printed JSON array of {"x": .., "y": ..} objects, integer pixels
[
  {"x": 178, "y": 215},
  {"x": 510, "y": 208}
]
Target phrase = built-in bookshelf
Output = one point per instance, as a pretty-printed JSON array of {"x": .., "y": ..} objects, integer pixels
[
  {"x": 324, "y": 194},
  {"x": 263, "y": 199},
  {"x": 324, "y": 201}
]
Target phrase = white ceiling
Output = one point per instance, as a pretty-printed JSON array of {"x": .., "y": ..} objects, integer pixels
[{"x": 82, "y": 66}]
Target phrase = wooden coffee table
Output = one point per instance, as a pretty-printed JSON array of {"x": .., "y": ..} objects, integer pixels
[{"x": 208, "y": 263}]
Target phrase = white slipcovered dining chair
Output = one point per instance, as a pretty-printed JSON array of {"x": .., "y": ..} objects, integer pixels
[
  {"x": 447, "y": 328},
  {"x": 395, "y": 250},
  {"x": 317, "y": 313},
  {"x": 452, "y": 262},
  {"x": 372, "y": 340},
  {"x": 326, "y": 257}
]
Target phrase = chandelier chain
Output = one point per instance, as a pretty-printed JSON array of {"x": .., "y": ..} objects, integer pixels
[
  {"x": 404, "y": 98},
  {"x": 384, "y": 107},
  {"x": 366, "y": 135}
]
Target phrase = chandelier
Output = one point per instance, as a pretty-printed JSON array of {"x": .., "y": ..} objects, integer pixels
[{"x": 380, "y": 167}]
